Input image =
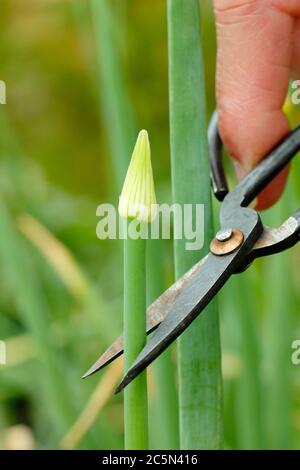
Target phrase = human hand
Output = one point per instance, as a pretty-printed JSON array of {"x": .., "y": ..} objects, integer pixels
[{"x": 258, "y": 49}]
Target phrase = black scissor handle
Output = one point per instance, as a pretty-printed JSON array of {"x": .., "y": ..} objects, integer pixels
[
  {"x": 272, "y": 240},
  {"x": 260, "y": 176},
  {"x": 217, "y": 174}
]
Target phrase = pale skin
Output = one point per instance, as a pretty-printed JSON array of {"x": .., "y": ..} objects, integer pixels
[{"x": 258, "y": 53}]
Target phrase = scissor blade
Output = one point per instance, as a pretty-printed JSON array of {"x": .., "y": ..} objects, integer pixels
[
  {"x": 202, "y": 286},
  {"x": 156, "y": 313}
]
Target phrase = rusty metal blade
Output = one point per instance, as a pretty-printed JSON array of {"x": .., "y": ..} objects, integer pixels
[
  {"x": 271, "y": 241},
  {"x": 156, "y": 312},
  {"x": 203, "y": 286}
]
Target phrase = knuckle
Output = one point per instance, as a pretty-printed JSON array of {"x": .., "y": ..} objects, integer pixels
[
  {"x": 236, "y": 7},
  {"x": 226, "y": 120},
  {"x": 291, "y": 7}
]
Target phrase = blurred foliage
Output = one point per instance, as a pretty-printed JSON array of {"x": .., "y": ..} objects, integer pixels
[{"x": 55, "y": 168}]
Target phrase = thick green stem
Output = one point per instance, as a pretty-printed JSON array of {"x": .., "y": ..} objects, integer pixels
[
  {"x": 200, "y": 399},
  {"x": 135, "y": 395}
]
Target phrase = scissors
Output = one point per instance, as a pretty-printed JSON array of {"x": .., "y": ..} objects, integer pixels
[{"x": 241, "y": 238}]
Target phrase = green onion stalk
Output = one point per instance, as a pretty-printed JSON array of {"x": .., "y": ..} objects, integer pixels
[
  {"x": 137, "y": 206},
  {"x": 199, "y": 359}
]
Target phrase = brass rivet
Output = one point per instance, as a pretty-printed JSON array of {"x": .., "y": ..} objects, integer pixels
[
  {"x": 226, "y": 241},
  {"x": 224, "y": 235}
]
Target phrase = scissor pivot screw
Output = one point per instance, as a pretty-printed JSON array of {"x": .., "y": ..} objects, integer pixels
[
  {"x": 224, "y": 235},
  {"x": 226, "y": 241}
]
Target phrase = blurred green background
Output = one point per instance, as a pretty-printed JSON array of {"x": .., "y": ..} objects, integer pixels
[{"x": 82, "y": 77}]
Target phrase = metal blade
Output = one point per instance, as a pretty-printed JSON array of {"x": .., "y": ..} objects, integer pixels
[
  {"x": 203, "y": 285},
  {"x": 156, "y": 313}
]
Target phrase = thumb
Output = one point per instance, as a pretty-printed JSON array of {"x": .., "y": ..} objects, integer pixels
[{"x": 255, "y": 51}]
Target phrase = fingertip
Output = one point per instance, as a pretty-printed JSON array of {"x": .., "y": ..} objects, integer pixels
[
  {"x": 253, "y": 72},
  {"x": 270, "y": 195},
  {"x": 250, "y": 135}
]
